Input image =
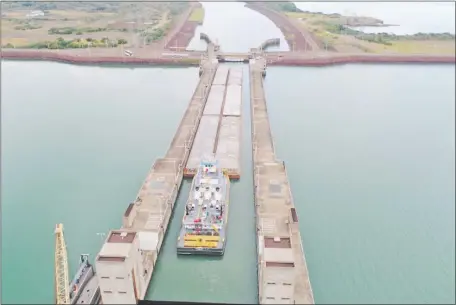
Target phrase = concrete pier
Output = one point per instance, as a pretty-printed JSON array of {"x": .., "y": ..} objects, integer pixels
[
  {"x": 150, "y": 213},
  {"x": 219, "y": 132},
  {"x": 273, "y": 42},
  {"x": 282, "y": 270}
]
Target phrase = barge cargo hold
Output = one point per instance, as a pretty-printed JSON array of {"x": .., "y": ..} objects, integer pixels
[
  {"x": 203, "y": 144},
  {"x": 220, "y": 132},
  {"x": 215, "y": 100},
  {"x": 228, "y": 151},
  {"x": 205, "y": 220},
  {"x": 221, "y": 76},
  {"x": 235, "y": 77},
  {"x": 233, "y": 101}
]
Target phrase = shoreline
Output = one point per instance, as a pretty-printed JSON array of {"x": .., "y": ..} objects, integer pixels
[
  {"x": 184, "y": 30},
  {"x": 298, "y": 39},
  {"x": 321, "y": 61},
  {"x": 301, "y": 39},
  {"x": 307, "y": 49},
  {"x": 317, "y": 60},
  {"x": 94, "y": 60}
]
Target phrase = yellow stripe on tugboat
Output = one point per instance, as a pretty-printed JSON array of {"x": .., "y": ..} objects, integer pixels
[{"x": 198, "y": 241}]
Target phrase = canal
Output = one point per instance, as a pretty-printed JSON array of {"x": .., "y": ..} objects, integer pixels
[
  {"x": 370, "y": 158},
  {"x": 236, "y": 28}
]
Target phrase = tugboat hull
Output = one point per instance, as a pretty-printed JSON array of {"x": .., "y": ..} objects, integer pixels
[{"x": 205, "y": 221}]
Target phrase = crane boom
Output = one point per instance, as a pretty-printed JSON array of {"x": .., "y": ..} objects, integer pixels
[{"x": 62, "y": 293}]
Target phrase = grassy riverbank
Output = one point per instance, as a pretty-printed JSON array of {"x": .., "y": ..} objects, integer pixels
[
  {"x": 336, "y": 33},
  {"x": 197, "y": 15},
  {"x": 44, "y": 24}
]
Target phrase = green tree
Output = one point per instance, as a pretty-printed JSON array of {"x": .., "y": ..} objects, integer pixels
[{"x": 54, "y": 45}]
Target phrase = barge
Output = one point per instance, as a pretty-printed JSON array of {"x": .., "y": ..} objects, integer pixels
[{"x": 204, "y": 224}]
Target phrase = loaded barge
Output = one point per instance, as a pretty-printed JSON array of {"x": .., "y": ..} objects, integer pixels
[{"x": 206, "y": 212}]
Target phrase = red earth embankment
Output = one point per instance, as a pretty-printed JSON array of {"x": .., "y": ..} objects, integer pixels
[
  {"x": 347, "y": 59},
  {"x": 194, "y": 58},
  {"x": 184, "y": 31},
  {"x": 298, "y": 40},
  {"x": 96, "y": 60}
]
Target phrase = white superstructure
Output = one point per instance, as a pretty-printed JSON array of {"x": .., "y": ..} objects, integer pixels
[{"x": 120, "y": 271}]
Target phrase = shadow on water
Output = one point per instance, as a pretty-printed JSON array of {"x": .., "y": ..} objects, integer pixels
[{"x": 213, "y": 279}]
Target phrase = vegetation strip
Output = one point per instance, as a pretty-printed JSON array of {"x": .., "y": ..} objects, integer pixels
[
  {"x": 341, "y": 34},
  {"x": 61, "y": 25}
]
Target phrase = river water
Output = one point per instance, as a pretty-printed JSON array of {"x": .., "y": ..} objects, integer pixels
[
  {"x": 236, "y": 28},
  {"x": 370, "y": 158}
]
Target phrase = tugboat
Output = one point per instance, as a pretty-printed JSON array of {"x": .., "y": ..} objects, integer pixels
[
  {"x": 206, "y": 212},
  {"x": 84, "y": 287}
]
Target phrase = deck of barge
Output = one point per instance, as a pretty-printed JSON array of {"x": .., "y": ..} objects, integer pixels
[
  {"x": 219, "y": 133},
  {"x": 282, "y": 270}
]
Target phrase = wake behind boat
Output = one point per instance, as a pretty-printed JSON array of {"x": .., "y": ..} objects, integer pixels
[{"x": 206, "y": 212}]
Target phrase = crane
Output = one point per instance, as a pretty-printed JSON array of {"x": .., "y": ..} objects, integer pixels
[{"x": 62, "y": 293}]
